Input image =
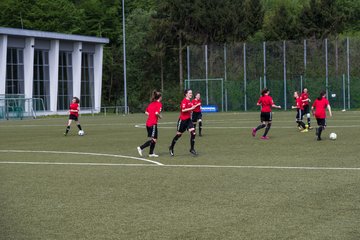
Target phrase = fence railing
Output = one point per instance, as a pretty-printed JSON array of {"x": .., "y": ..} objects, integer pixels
[
  {"x": 113, "y": 110},
  {"x": 19, "y": 108},
  {"x": 283, "y": 67}
]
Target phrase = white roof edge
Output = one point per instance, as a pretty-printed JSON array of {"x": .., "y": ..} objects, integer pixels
[{"x": 51, "y": 35}]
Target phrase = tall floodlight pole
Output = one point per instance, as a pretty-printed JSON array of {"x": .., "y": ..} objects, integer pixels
[
  {"x": 206, "y": 74},
  {"x": 124, "y": 51}
]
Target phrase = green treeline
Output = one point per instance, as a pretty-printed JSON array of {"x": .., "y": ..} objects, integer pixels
[{"x": 158, "y": 31}]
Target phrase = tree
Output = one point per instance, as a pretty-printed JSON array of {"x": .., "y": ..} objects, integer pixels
[
  {"x": 281, "y": 25},
  {"x": 46, "y": 15},
  {"x": 253, "y": 17},
  {"x": 321, "y": 18}
]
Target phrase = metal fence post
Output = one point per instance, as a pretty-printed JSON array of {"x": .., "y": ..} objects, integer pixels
[
  {"x": 348, "y": 67},
  {"x": 206, "y": 74},
  {"x": 305, "y": 55},
  {"x": 225, "y": 76},
  {"x": 264, "y": 53},
  {"x": 326, "y": 69},
  {"x": 245, "y": 85},
  {"x": 305, "y": 63},
  {"x": 344, "y": 94},
  {"x": 284, "y": 58},
  {"x": 188, "y": 64}
]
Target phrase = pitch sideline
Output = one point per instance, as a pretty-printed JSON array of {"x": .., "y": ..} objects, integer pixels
[
  {"x": 81, "y": 153},
  {"x": 158, "y": 164}
]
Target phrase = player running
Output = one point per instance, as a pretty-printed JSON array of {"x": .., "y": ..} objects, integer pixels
[
  {"x": 306, "y": 100},
  {"x": 196, "y": 115},
  {"x": 184, "y": 123},
  {"x": 266, "y": 102},
  {"x": 300, "y": 109},
  {"x": 74, "y": 115},
  {"x": 320, "y": 105},
  {"x": 153, "y": 111}
]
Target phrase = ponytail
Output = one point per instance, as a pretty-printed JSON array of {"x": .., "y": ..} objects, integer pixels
[
  {"x": 322, "y": 94},
  {"x": 156, "y": 95}
]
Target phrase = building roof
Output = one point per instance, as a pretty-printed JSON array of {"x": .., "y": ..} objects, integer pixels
[{"x": 51, "y": 35}]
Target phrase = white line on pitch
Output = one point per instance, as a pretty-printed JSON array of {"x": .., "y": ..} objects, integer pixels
[
  {"x": 186, "y": 166},
  {"x": 78, "y": 164},
  {"x": 83, "y": 153},
  {"x": 264, "y": 167},
  {"x": 230, "y": 127}
]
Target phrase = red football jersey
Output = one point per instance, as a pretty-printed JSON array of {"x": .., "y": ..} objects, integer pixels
[
  {"x": 320, "y": 107},
  {"x": 185, "y": 103},
  {"x": 74, "y": 106},
  {"x": 266, "y": 102},
  {"x": 299, "y": 103},
  {"x": 195, "y": 102},
  {"x": 153, "y": 109},
  {"x": 305, "y": 96}
]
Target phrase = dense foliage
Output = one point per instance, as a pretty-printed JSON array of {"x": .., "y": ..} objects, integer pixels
[{"x": 158, "y": 31}]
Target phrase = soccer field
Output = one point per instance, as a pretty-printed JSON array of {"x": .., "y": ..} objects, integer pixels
[{"x": 238, "y": 187}]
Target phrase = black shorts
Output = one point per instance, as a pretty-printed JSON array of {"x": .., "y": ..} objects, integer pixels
[
  {"x": 73, "y": 117},
  {"x": 152, "y": 131},
  {"x": 306, "y": 109},
  {"x": 183, "y": 125},
  {"x": 299, "y": 115},
  {"x": 321, "y": 121},
  {"x": 196, "y": 116},
  {"x": 266, "y": 116}
]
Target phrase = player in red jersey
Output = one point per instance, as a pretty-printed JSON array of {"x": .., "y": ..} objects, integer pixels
[
  {"x": 153, "y": 111},
  {"x": 266, "y": 102},
  {"x": 196, "y": 115},
  {"x": 320, "y": 105},
  {"x": 299, "y": 115},
  {"x": 74, "y": 114},
  {"x": 184, "y": 123},
  {"x": 306, "y": 100}
]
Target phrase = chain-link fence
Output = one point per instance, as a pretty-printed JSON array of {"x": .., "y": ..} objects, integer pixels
[{"x": 283, "y": 67}]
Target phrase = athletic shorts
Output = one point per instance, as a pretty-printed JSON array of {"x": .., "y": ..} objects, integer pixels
[
  {"x": 321, "y": 121},
  {"x": 299, "y": 115},
  {"x": 196, "y": 116},
  {"x": 73, "y": 117},
  {"x": 266, "y": 116},
  {"x": 306, "y": 109},
  {"x": 183, "y": 125},
  {"x": 152, "y": 131}
]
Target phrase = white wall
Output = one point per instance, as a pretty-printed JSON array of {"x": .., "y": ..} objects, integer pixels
[
  {"x": 54, "y": 73},
  {"x": 98, "y": 63},
  {"x": 29, "y": 66},
  {"x": 76, "y": 66},
  {"x": 3, "y": 52}
]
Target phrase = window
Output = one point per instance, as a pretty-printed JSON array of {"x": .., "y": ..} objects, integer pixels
[
  {"x": 87, "y": 81},
  {"x": 15, "y": 71},
  {"x": 41, "y": 79},
  {"x": 65, "y": 87}
]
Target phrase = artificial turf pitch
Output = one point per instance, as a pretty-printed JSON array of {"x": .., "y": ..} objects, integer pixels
[{"x": 238, "y": 187}]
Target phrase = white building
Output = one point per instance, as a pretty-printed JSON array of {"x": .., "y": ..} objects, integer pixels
[{"x": 53, "y": 67}]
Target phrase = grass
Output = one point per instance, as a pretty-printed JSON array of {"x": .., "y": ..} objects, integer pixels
[{"x": 238, "y": 187}]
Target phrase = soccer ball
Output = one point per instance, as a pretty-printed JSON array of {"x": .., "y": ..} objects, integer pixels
[
  {"x": 81, "y": 133},
  {"x": 333, "y": 136}
]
